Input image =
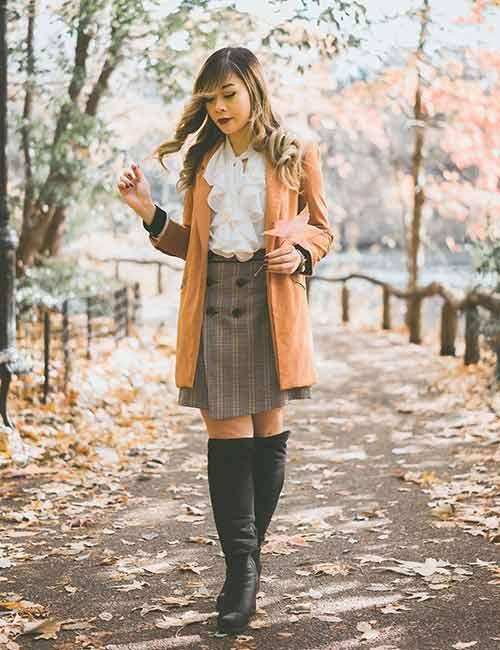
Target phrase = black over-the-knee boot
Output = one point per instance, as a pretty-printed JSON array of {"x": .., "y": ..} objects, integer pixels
[
  {"x": 231, "y": 486},
  {"x": 269, "y": 463}
]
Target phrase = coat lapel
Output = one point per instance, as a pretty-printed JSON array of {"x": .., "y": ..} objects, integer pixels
[{"x": 201, "y": 209}]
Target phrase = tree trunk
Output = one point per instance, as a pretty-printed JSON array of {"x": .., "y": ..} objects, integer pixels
[
  {"x": 43, "y": 218},
  {"x": 413, "y": 313},
  {"x": 53, "y": 237}
]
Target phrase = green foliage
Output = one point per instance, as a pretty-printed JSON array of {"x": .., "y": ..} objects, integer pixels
[
  {"x": 57, "y": 280},
  {"x": 486, "y": 259}
]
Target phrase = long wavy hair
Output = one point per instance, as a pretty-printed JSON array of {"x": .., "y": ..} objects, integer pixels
[{"x": 281, "y": 148}]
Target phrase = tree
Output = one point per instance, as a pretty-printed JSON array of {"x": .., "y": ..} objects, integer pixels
[{"x": 57, "y": 143}]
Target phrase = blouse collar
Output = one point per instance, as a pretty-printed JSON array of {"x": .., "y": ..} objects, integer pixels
[
  {"x": 224, "y": 159},
  {"x": 229, "y": 154}
]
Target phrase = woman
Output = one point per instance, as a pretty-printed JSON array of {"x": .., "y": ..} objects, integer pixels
[{"x": 244, "y": 342}]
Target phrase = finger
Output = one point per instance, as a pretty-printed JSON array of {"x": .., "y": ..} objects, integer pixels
[
  {"x": 281, "y": 268},
  {"x": 285, "y": 247},
  {"x": 136, "y": 170},
  {"x": 127, "y": 181},
  {"x": 278, "y": 253}
]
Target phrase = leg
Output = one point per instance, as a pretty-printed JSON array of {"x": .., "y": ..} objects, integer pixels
[
  {"x": 231, "y": 487},
  {"x": 270, "y": 446},
  {"x": 268, "y": 474},
  {"x": 268, "y": 423},
  {"x": 238, "y": 427},
  {"x": 270, "y": 449}
]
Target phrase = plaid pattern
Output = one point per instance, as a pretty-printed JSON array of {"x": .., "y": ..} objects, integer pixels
[{"x": 236, "y": 370}]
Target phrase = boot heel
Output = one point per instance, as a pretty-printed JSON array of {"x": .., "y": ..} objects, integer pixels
[
  {"x": 219, "y": 603},
  {"x": 240, "y": 599}
]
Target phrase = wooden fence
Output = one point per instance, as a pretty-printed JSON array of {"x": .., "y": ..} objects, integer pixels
[
  {"x": 451, "y": 308},
  {"x": 71, "y": 329}
]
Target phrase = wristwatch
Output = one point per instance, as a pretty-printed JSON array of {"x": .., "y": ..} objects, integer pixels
[{"x": 302, "y": 266}]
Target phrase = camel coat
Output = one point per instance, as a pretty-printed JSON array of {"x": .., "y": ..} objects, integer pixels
[{"x": 286, "y": 293}]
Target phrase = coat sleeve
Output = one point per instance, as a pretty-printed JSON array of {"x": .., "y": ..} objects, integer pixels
[
  {"x": 174, "y": 238},
  {"x": 317, "y": 245}
]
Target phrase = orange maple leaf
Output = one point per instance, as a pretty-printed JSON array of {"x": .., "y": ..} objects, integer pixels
[{"x": 293, "y": 229}]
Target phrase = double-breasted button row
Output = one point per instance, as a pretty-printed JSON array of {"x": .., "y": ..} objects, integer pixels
[{"x": 236, "y": 312}]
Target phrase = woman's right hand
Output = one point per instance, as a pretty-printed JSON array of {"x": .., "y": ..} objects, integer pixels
[{"x": 135, "y": 190}]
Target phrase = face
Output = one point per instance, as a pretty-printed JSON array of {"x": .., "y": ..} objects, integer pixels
[{"x": 231, "y": 101}]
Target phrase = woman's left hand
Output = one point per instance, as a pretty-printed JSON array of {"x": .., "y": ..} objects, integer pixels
[{"x": 284, "y": 259}]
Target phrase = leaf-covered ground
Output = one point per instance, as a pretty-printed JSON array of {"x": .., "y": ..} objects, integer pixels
[{"x": 387, "y": 535}]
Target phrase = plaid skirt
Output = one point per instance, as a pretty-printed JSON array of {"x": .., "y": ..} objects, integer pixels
[{"x": 236, "y": 368}]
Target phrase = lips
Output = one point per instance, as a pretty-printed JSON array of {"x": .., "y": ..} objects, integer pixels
[{"x": 224, "y": 120}]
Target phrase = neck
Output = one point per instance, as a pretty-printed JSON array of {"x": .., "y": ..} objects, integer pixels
[{"x": 240, "y": 141}]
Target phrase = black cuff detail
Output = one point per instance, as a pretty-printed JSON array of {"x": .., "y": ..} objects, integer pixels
[
  {"x": 159, "y": 219},
  {"x": 307, "y": 255}
]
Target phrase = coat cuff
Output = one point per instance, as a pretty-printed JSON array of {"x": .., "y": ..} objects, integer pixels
[
  {"x": 309, "y": 268},
  {"x": 160, "y": 220}
]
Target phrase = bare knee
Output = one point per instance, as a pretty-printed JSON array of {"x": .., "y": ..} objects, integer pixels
[
  {"x": 268, "y": 423},
  {"x": 237, "y": 427}
]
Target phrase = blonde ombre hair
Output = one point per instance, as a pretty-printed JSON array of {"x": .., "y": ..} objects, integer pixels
[{"x": 267, "y": 134}]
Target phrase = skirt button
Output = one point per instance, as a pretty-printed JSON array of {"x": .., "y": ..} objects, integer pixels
[
  {"x": 236, "y": 312},
  {"x": 211, "y": 310}
]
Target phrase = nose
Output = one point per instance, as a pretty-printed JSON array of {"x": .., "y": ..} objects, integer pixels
[{"x": 220, "y": 106}]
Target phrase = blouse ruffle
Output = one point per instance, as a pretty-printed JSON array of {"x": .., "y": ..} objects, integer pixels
[{"x": 237, "y": 200}]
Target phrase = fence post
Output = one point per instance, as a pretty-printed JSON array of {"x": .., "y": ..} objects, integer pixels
[
  {"x": 345, "y": 303},
  {"x": 117, "y": 269},
  {"x": 126, "y": 307},
  {"x": 46, "y": 355},
  {"x": 386, "y": 313},
  {"x": 160, "y": 279},
  {"x": 472, "y": 354},
  {"x": 136, "y": 303},
  {"x": 89, "y": 325},
  {"x": 414, "y": 317},
  {"x": 65, "y": 340},
  {"x": 448, "y": 330},
  {"x": 116, "y": 314}
]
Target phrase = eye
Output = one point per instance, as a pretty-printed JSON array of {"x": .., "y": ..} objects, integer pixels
[{"x": 211, "y": 99}]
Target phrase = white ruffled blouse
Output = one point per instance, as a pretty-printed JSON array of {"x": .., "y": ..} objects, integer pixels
[{"x": 237, "y": 200}]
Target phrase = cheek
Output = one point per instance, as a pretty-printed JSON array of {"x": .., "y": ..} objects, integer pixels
[{"x": 244, "y": 108}]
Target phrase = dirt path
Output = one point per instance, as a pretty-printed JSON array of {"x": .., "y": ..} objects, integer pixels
[{"x": 387, "y": 535}]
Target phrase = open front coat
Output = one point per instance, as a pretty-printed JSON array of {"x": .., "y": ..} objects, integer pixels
[{"x": 286, "y": 293}]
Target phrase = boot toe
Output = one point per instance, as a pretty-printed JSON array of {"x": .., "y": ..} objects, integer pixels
[{"x": 232, "y": 622}]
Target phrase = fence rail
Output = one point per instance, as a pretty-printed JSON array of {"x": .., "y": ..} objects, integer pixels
[
  {"x": 450, "y": 310},
  {"x": 117, "y": 261}
]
